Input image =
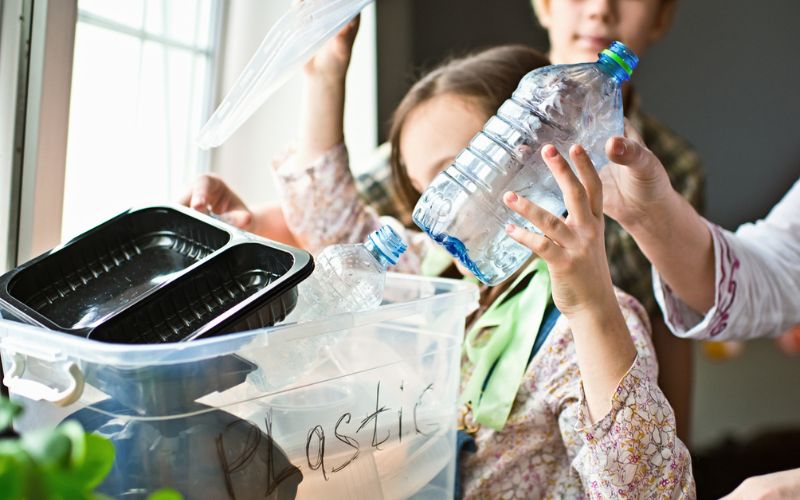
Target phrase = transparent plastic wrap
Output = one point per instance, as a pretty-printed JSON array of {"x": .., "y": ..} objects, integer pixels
[{"x": 297, "y": 35}]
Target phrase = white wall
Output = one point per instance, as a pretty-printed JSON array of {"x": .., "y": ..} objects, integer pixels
[{"x": 244, "y": 160}]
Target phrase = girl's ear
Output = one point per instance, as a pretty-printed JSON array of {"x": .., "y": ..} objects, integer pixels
[
  {"x": 542, "y": 10},
  {"x": 663, "y": 21}
]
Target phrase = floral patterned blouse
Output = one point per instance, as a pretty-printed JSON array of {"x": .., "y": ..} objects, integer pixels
[{"x": 548, "y": 448}]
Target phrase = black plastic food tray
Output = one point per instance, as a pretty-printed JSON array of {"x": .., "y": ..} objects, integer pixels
[{"x": 154, "y": 275}]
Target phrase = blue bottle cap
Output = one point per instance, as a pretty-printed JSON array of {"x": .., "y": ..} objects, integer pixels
[
  {"x": 388, "y": 243},
  {"x": 621, "y": 58}
]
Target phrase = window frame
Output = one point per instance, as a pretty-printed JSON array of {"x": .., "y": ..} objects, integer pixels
[
  {"x": 46, "y": 126},
  {"x": 15, "y": 24},
  {"x": 37, "y": 39}
]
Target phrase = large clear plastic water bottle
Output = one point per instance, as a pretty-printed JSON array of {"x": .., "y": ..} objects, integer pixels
[
  {"x": 348, "y": 278},
  {"x": 562, "y": 105}
]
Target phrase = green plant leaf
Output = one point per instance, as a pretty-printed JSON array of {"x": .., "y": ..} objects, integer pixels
[
  {"x": 165, "y": 494},
  {"x": 82, "y": 479},
  {"x": 99, "y": 458},
  {"x": 47, "y": 447},
  {"x": 60, "y": 484},
  {"x": 77, "y": 438},
  {"x": 13, "y": 476},
  {"x": 11, "y": 447},
  {"x": 8, "y": 411},
  {"x": 61, "y": 463}
]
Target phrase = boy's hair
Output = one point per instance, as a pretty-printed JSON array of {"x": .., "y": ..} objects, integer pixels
[{"x": 486, "y": 78}]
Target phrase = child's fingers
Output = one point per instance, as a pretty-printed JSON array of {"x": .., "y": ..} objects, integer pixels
[
  {"x": 195, "y": 197},
  {"x": 186, "y": 198},
  {"x": 238, "y": 218},
  {"x": 631, "y": 133},
  {"x": 575, "y": 197},
  {"x": 587, "y": 173},
  {"x": 208, "y": 191},
  {"x": 539, "y": 245},
  {"x": 350, "y": 29},
  {"x": 639, "y": 161},
  {"x": 552, "y": 226},
  {"x": 198, "y": 198}
]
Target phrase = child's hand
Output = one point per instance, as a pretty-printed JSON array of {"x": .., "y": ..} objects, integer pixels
[
  {"x": 635, "y": 183},
  {"x": 574, "y": 248},
  {"x": 777, "y": 486},
  {"x": 209, "y": 194},
  {"x": 332, "y": 60}
]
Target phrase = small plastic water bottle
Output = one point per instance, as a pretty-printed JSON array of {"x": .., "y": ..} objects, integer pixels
[
  {"x": 562, "y": 105},
  {"x": 348, "y": 278}
]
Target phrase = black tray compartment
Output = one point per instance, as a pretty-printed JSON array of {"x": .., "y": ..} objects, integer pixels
[{"x": 222, "y": 296}]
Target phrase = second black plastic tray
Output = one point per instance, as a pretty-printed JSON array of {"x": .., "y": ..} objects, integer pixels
[{"x": 220, "y": 296}]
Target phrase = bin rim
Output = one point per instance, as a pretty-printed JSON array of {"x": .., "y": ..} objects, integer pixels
[{"x": 32, "y": 340}]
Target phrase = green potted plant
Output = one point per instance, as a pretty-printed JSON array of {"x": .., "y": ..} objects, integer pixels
[{"x": 60, "y": 463}]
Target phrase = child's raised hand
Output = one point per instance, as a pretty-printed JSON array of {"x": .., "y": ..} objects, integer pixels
[
  {"x": 333, "y": 58},
  {"x": 574, "y": 248},
  {"x": 635, "y": 183}
]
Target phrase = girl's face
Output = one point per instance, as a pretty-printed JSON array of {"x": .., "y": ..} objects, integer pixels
[
  {"x": 580, "y": 29},
  {"x": 434, "y": 133}
]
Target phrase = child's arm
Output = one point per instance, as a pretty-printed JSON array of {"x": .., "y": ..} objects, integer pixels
[
  {"x": 627, "y": 429},
  {"x": 575, "y": 254},
  {"x": 321, "y": 206},
  {"x": 320, "y": 200},
  {"x": 314, "y": 179},
  {"x": 710, "y": 282},
  {"x": 668, "y": 230},
  {"x": 321, "y": 129},
  {"x": 633, "y": 451},
  {"x": 322, "y": 113}
]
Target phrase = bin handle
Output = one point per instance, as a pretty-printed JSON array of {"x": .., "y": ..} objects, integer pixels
[{"x": 38, "y": 391}]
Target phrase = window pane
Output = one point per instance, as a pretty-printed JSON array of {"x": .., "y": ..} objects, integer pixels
[
  {"x": 175, "y": 20},
  {"x": 102, "y": 127},
  {"x": 154, "y": 17},
  {"x": 127, "y": 12},
  {"x": 182, "y": 20},
  {"x": 204, "y": 16},
  {"x": 136, "y": 106}
]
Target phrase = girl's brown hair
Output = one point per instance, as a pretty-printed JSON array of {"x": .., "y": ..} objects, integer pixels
[{"x": 486, "y": 78}]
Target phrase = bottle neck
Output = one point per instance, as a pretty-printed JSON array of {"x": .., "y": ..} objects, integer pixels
[
  {"x": 377, "y": 254},
  {"x": 613, "y": 69}
]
